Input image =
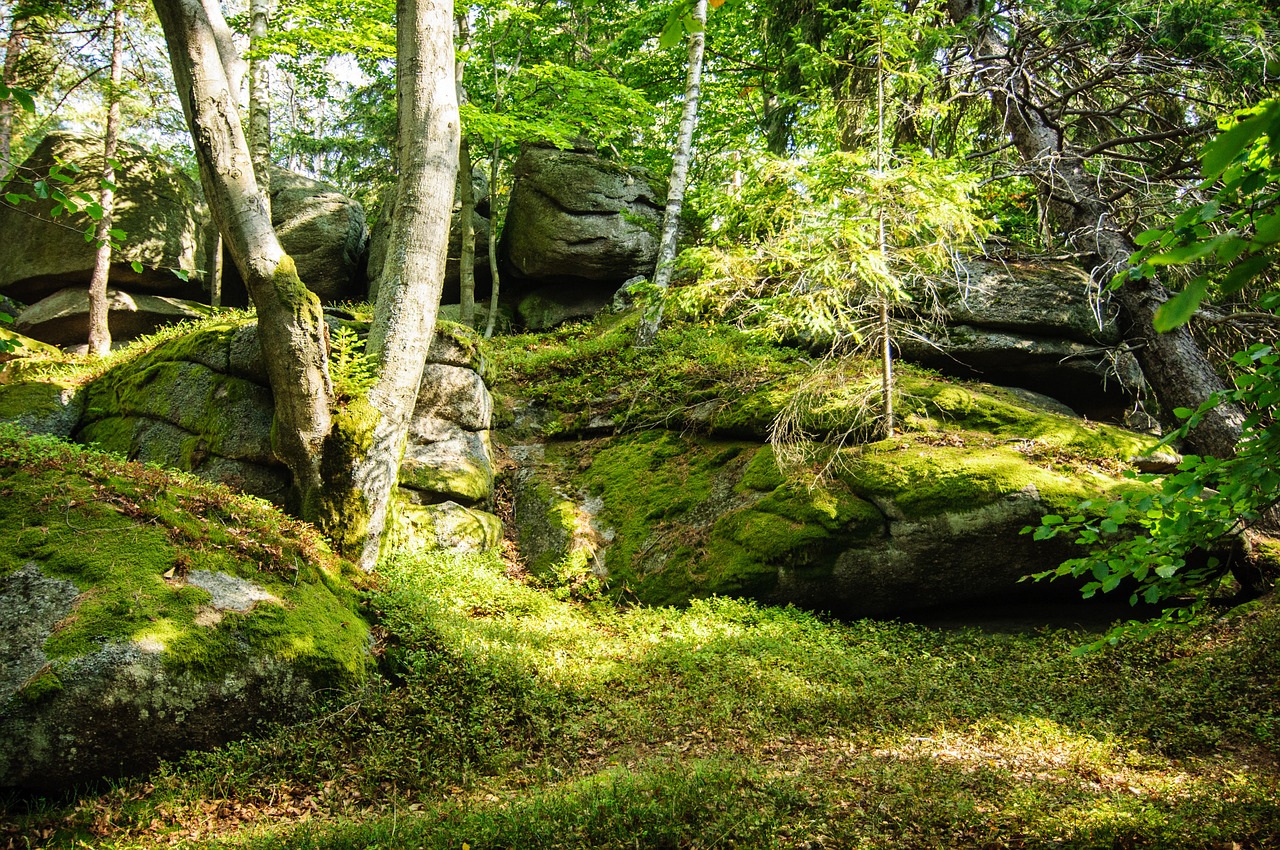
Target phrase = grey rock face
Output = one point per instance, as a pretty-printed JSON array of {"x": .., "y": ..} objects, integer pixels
[
  {"x": 121, "y": 708},
  {"x": 155, "y": 204},
  {"x": 323, "y": 230},
  {"x": 1037, "y": 325},
  {"x": 63, "y": 318},
  {"x": 577, "y": 217}
]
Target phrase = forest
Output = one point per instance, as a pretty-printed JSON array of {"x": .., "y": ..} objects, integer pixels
[{"x": 682, "y": 424}]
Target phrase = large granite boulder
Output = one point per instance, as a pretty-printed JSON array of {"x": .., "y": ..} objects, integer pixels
[
  {"x": 379, "y": 243},
  {"x": 324, "y": 232},
  {"x": 577, "y": 218},
  {"x": 1041, "y": 325},
  {"x": 62, "y": 318},
  {"x": 929, "y": 520},
  {"x": 157, "y": 206},
  {"x": 143, "y": 615},
  {"x": 202, "y": 403}
]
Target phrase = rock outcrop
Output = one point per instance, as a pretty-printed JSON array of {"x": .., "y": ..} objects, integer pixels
[
  {"x": 577, "y": 220},
  {"x": 923, "y": 522},
  {"x": 202, "y": 403},
  {"x": 1037, "y": 324},
  {"x": 62, "y": 318},
  {"x": 324, "y": 232},
  {"x": 157, "y": 206},
  {"x": 142, "y": 616}
]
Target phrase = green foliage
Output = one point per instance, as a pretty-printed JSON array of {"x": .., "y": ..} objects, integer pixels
[
  {"x": 1237, "y": 229},
  {"x": 352, "y": 370},
  {"x": 508, "y": 718},
  {"x": 796, "y": 253},
  {"x": 1177, "y": 546}
]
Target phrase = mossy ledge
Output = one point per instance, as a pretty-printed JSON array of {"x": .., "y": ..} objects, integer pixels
[{"x": 688, "y": 501}]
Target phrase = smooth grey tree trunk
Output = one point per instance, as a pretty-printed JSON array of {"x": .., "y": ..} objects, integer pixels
[
  {"x": 1175, "y": 366},
  {"x": 291, "y": 328},
  {"x": 652, "y": 318},
  {"x": 99, "y": 328},
  {"x": 409, "y": 297},
  {"x": 492, "y": 321}
]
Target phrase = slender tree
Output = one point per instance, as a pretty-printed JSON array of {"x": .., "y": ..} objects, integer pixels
[
  {"x": 466, "y": 195},
  {"x": 652, "y": 319},
  {"x": 99, "y": 329}
]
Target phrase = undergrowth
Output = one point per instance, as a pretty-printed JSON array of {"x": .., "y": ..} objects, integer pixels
[{"x": 504, "y": 717}]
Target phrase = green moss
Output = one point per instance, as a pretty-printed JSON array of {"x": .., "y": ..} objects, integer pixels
[
  {"x": 32, "y": 398},
  {"x": 924, "y": 479},
  {"x": 41, "y": 686},
  {"x": 696, "y": 517},
  {"x": 126, "y": 535},
  {"x": 340, "y": 509}
]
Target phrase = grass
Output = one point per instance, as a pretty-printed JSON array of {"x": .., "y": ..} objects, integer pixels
[{"x": 506, "y": 717}]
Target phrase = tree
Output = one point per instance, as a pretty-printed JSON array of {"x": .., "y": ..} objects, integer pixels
[
  {"x": 1016, "y": 59},
  {"x": 344, "y": 460},
  {"x": 696, "y": 24},
  {"x": 99, "y": 330}
]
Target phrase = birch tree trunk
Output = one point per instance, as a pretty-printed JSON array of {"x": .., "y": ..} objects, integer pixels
[
  {"x": 652, "y": 319},
  {"x": 1176, "y": 368},
  {"x": 99, "y": 329}
]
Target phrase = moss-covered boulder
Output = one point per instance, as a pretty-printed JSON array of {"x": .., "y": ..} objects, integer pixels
[
  {"x": 157, "y": 206},
  {"x": 575, "y": 217},
  {"x": 144, "y": 614},
  {"x": 929, "y": 519},
  {"x": 201, "y": 403}
]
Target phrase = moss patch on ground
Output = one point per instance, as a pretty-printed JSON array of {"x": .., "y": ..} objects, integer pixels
[{"x": 127, "y": 535}]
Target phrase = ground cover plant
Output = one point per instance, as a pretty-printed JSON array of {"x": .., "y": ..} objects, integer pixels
[{"x": 504, "y": 716}]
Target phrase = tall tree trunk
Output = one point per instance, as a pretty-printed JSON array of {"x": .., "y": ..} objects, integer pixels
[
  {"x": 652, "y": 318},
  {"x": 99, "y": 330},
  {"x": 492, "y": 321},
  {"x": 409, "y": 297},
  {"x": 260, "y": 94},
  {"x": 291, "y": 328},
  {"x": 12, "y": 53},
  {"x": 345, "y": 463},
  {"x": 467, "y": 198},
  {"x": 1176, "y": 368}
]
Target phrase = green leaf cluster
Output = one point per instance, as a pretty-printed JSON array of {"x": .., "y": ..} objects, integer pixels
[
  {"x": 1179, "y": 545},
  {"x": 1236, "y": 232}
]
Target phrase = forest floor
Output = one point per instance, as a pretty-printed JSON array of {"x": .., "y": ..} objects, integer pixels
[{"x": 504, "y": 714}]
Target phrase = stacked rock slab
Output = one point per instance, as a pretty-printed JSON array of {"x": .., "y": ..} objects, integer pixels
[
  {"x": 1036, "y": 324},
  {"x": 46, "y": 263},
  {"x": 202, "y": 403},
  {"x": 578, "y": 227}
]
